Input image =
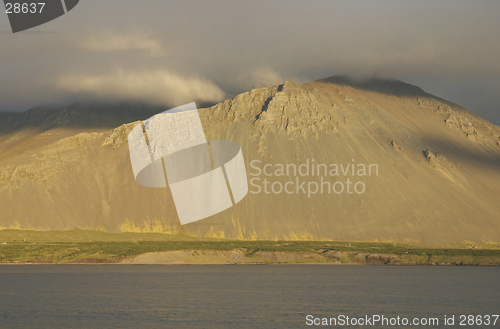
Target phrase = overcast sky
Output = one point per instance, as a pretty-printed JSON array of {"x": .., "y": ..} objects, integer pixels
[{"x": 174, "y": 52}]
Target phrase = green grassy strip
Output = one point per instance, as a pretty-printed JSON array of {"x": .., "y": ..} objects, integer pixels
[
  {"x": 66, "y": 246},
  {"x": 61, "y": 252}
]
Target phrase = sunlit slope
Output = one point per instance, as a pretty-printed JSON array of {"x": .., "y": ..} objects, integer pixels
[{"x": 438, "y": 170}]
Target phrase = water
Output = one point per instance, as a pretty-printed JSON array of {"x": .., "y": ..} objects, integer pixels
[{"x": 237, "y": 296}]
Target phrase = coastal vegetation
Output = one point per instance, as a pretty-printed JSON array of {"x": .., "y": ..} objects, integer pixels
[{"x": 82, "y": 246}]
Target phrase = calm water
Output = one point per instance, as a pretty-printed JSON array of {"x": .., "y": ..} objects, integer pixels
[{"x": 242, "y": 296}]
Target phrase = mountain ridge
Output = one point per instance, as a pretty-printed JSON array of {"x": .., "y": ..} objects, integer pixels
[{"x": 438, "y": 182}]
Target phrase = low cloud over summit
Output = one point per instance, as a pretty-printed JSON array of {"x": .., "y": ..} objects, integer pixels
[{"x": 449, "y": 48}]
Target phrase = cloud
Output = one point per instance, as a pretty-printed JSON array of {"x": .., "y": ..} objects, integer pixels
[
  {"x": 448, "y": 48},
  {"x": 160, "y": 87},
  {"x": 109, "y": 42},
  {"x": 264, "y": 78}
]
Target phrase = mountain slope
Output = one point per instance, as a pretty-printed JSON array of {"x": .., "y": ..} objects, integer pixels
[{"x": 438, "y": 170}]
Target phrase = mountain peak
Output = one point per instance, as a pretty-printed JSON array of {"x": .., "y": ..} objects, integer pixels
[
  {"x": 438, "y": 167},
  {"x": 376, "y": 84}
]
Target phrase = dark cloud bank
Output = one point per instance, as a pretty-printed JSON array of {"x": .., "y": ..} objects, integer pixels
[{"x": 172, "y": 52}]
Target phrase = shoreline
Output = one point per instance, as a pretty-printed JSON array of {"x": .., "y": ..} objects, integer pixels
[
  {"x": 250, "y": 264},
  {"x": 242, "y": 257},
  {"x": 92, "y": 247}
]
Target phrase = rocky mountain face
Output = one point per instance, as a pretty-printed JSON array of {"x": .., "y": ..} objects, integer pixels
[
  {"x": 41, "y": 126},
  {"x": 331, "y": 159}
]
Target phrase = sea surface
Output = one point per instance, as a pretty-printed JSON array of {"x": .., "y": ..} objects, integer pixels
[{"x": 240, "y": 296}]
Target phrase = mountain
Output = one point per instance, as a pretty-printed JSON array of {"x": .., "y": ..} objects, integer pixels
[
  {"x": 41, "y": 126},
  {"x": 425, "y": 169}
]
